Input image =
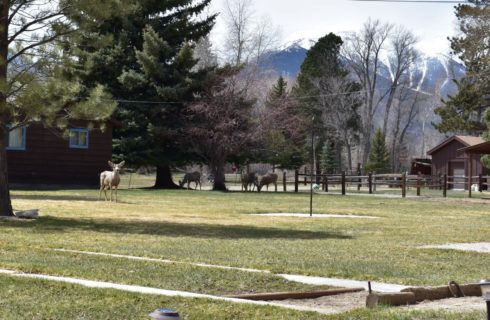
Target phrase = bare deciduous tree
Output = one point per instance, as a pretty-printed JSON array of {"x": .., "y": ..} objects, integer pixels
[
  {"x": 248, "y": 37},
  {"x": 220, "y": 122},
  {"x": 402, "y": 55},
  {"x": 363, "y": 52},
  {"x": 407, "y": 107},
  {"x": 339, "y": 102}
]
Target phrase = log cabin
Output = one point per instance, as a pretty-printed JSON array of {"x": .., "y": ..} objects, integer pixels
[{"x": 37, "y": 155}]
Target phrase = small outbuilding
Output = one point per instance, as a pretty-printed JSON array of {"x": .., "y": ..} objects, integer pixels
[
  {"x": 40, "y": 155},
  {"x": 447, "y": 158}
]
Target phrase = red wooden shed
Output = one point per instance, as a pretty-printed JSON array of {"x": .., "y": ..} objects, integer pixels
[
  {"x": 447, "y": 158},
  {"x": 39, "y": 155}
]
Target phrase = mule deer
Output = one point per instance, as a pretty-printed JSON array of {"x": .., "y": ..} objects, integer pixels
[
  {"x": 191, "y": 177},
  {"x": 110, "y": 180},
  {"x": 249, "y": 179},
  {"x": 268, "y": 179}
]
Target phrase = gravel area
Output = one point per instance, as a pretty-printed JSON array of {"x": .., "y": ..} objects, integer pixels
[{"x": 350, "y": 301}]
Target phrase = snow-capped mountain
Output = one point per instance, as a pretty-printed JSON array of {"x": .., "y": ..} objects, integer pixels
[{"x": 429, "y": 74}]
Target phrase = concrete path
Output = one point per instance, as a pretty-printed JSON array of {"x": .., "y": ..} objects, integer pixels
[
  {"x": 153, "y": 291},
  {"x": 344, "y": 283},
  {"x": 475, "y": 247},
  {"x": 204, "y": 265},
  {"x": 314, "y": 216}
]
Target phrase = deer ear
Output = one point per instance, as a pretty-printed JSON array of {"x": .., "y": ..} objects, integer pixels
[
  {"x": 110, "y": 164},
  {"x": 122, "y": 163}
]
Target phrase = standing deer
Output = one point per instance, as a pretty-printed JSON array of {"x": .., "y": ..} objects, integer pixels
[
  {"x": 110, "y": 180},
  {"x": 249, "y": 179},
  {"x": 191, "y": 177},
  {"x": 268, "y": 179}
]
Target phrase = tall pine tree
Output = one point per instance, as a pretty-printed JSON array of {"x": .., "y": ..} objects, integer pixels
[
  {"x": 464, "y": 112},
  {"x": 146, "y": 61}
]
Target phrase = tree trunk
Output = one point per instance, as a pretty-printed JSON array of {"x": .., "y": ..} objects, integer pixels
[
  {"x": 219, "y": 177},
  {"x": 5, "y": 202},
  {"x": 349, "y": 155},
  {"x": 164, "y": 178}
]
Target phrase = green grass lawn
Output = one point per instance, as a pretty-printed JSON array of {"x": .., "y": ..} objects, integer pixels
[{"x": 217, "y": 228}]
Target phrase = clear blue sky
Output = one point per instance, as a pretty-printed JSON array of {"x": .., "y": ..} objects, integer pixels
[{"x": 431, "y": 22}]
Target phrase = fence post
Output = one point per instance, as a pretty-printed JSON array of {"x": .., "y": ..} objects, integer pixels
[
  {"x": 418, "y": 184},
  {"x": 343, "y": 183},
  {"x": 470, "y": 180},
  {"x": 296, "y": 180},
  {"x": 370, "y": 182},
  {"x": 284, "y": 181},
  {"x": 404, "y": 185},
  {"x": 306, "y": 174},
  {"x": 444, "y": 186},
  {"x": 359, "y": 173}
]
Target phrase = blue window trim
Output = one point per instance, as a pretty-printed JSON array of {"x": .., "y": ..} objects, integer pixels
[
  {"x": 78, "y": 146},
  {"x": 24, "y": 134}
]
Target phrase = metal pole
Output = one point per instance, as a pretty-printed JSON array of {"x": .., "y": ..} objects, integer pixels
[
  {"x": 488, "y": 309},
  {"x": 311, "y": 173}
]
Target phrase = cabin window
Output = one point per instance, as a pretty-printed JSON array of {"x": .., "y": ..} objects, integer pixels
[
  {"x": 17, "y": 138},
  {"x": 79, "y": 138}
]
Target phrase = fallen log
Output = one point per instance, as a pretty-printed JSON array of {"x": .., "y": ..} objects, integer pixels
[
  {"x": 390, "y": 299},
  {"x": 295, "y": 295},
  {"x": 444, "y": 292}
]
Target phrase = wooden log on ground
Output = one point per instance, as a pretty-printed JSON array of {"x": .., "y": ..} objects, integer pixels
[
  {"x": 443, "y": 292},
  {"x": 390, "y": 299},
  {"x": 295, "y": 295}
]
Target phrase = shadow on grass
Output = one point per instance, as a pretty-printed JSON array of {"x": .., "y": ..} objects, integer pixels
[
  {"x": 51, "y": 197},
  {"x": 171, "y": 229},
  {"x": 55, "y": 197}
]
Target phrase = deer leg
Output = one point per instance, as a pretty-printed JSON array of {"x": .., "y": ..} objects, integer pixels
[
  {"x": 115, "y": 190},
  {"x": 100, "y": 192}
]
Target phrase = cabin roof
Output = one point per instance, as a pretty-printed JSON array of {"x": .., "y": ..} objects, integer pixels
[{"x": 467, "y": 141}]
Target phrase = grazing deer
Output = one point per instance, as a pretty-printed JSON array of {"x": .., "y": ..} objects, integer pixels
[
  {"x": 110, "y": 180},
  {"x": 249, "y": 179},
  {"x": 268, "y": 179},
  {"x": 191, "y": 177}
]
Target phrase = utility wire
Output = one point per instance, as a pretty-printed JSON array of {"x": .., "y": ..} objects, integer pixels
[{"x": 415, "y": 1}]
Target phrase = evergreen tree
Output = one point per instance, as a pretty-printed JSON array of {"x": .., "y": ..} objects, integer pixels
[
  {"x": 146, "y": 61},
  {"x": 322, "y": 61},
  {"x": 379, "y": 156},
  {"x": 321, "y": 94},
  {"x": 328, "y": 159},
  {"x": 464, "y": 112},
  {"x": 278, "y": 92}
]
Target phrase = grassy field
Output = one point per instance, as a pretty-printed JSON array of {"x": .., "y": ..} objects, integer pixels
[{"x": 218, "y": 228}]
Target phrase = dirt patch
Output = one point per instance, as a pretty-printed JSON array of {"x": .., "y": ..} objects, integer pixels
[
  {"x": 331, "y": 304},
  {"x": 350, "y": 301}
]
